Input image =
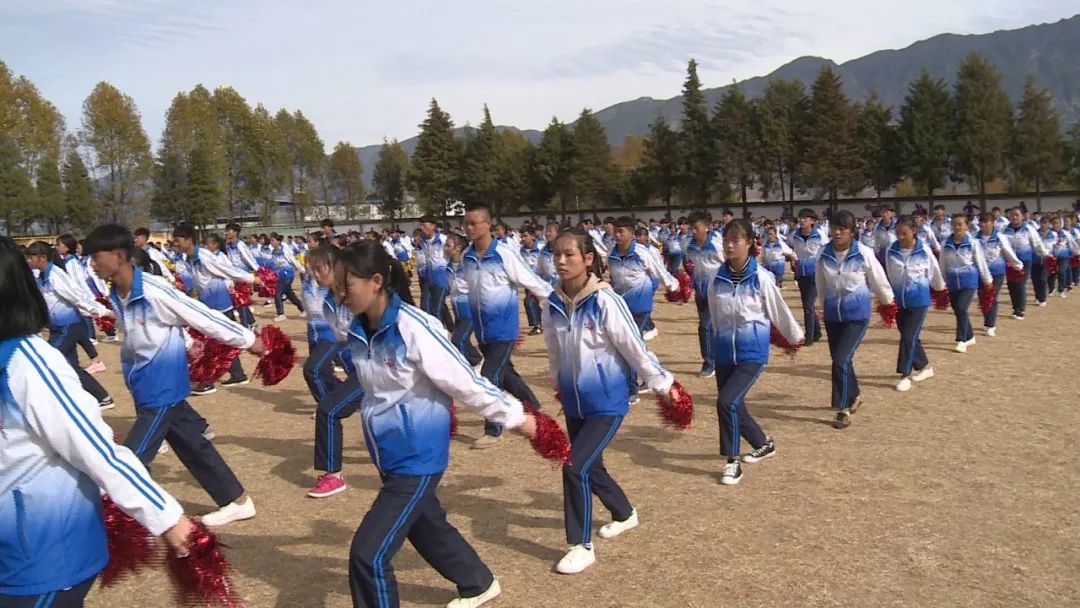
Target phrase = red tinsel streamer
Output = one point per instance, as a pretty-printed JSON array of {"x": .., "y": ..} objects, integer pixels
[
  {"x": 685, "y": 293},
  {"x": 688, "y": 266},
  {"x": 267, "y": 282},
  {"x": 202, "y": 577},
  {"x": 550, "y": 441},
  {"x": 1050, "y": 263},
  {"x": 1074, "y": 261},
  {"x": 279, "y": 358},
  {"x": 208, "y": 359},
  {"x": 987, "y": 296},
  {"x": 676, "y": 408},
  {"x": 1013, "y": 275},
  {"x": 105, "y": 324},
  {"x": 940, "y": 298},
  {"x": 241, "y": 295},
  {"x": 777, "y": 339},
  {"x": 888, "y": 314},
  {"x": 179, "y": 283},
  {"x": 453, "y": 419},
  {"x": 130, "y": 544}
]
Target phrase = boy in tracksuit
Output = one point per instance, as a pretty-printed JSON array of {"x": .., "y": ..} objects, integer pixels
[
  {"x": 705, "y": 250},
  {"x": 807, "y": 241},
  {"x": 154, "y": 359},
  {"x": 431, "y": 265},
  {"x": 530, "y": 254},
  {"x": 1027, "y": 245},
  {"x": 999, "y": 253},
  {"x": 462, "y": 332},
  {"x": 912, "y": 270},
  {"x": 633, "y": 269},
  {"x": 241, "y": 258}
]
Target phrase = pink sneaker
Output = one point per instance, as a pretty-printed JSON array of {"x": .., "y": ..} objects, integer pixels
[
  {"x": 327, "y": 485},
  {"x": 95, "y": 368}
]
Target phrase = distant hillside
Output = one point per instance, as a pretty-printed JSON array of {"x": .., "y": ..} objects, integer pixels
[{"x": 1051, "y": 52}]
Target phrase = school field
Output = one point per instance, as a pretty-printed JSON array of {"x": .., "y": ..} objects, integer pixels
[{"x": 961, "y": 492}]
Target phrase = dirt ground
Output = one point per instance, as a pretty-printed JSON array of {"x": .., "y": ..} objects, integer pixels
[{"x": 958, "y": 493}]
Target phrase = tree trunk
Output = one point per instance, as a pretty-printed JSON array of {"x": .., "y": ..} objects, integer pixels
[
  {"x": 783, "y": 190},
  {"x": 1038, "y": 195}
]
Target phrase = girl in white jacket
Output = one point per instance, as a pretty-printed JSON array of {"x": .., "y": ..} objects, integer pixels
[
  {"x": 913, "y": 271},
  {"x": 964, "y": 266}
]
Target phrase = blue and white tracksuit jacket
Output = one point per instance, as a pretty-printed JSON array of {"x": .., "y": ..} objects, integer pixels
[
  {"x": 743, "y": 313},
  {"x": 79, "y": 275},
  {"x": 182, "y": 270},
  {"x": 56, "y": 455},
  {"x": 844, "y": 282},
  {"x": 884, "y": 237},
  {"x": 213, "y": 276},
  {"x": 94, "y": 282},
  {"x": 545, "y": 264},
  {"x": 926, "y": 234},
  {"x": 410, "y": 372},
  {"x": 912, "y": 274},
  {"x": 459, "y": 291},
  {"x": 314, "y": 298},
  {"x": 632, "y": 276},
  {"x": 593, "y": 348},
  {"x": 774, "y": 254},
  {"x": 284, "y": 264},
  {"x": 707, "y": 258},
  {"x": 68, "y": 300},
  {"x": 942, "y": 229},
  {"x": 963, "y": 264},
  {"x": 339, "y": 318},
  {"x": 431, "y": 260},
  {"x": 154, "y": 356},
  {"x": 998, "y": 252},
  {"x": 1025, "y": 242},
  {"x": 1059, "y": 243},
  {"x": 807, "y": 247},
  {"x": 493, "y": 277},
  {"x": 240, "y": 256}
]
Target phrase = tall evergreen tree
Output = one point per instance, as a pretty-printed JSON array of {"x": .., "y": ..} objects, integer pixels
[
  {"x": 169, "y": 202},
  {"x": 879, "y": 145},
  {"x": 512, "y": 152},
  {"x": 201, "y": 195},
  {"x": 981, "y": 122},
  {"x": 1037, "y": 143},
  {"x": 79, "y": 203},
  {"x": 1072, "y": 156},
  {"x": 436, "y": 161},
  {"x": 112, "y": 129},
  {"x": 832, "y": 160},
  {"x": 270, "y": 166},
  {"x": 238, "y": 150},
  {"x": 553, "y": 165},
  {"x": 305, "y": 153},
  {"x": 661, "y": 161},
  {"x": 345, "y": 176},
  {"x": 480, "y": 166},
  {"x": 594, "y": 170},
  {"x": 49, "y": 195},
  {"x": 733, "y": 129},
  {"x": 784, "y": 112},
  {"x": 15, "y": 188},
  {"x": 390, "y": 177},
  {"x": 924, "y": 132},
  {"x": 697, "y": 150}
]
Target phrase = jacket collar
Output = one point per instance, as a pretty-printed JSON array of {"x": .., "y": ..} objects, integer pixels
[
  {"x": 565, "y": 304},
  {"x": 389, "y": 318}
]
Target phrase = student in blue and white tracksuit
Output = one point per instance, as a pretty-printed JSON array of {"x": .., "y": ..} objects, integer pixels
[
  {"x": 68, "y": 302},
  {"x": 1028, "y": 247},
  {"x": 240, "y": 257},
  {"x": 545, "y": 262},
  {"x": 153, "y": 316},
  {"x": 884, "y": 231},
  {"x": 322, "y": 344},
  {"x": 964, "y": 266},
  {"x": 593, "y": 347},
  {"x": 530, "y": 254},
  {"x": 142, "y": 241},
  {"x": 925, "y": 233},
  {"x": 58, "y": 455},
  {"x": 285, "y": 266},
  {"x": 1062, "y": 250},
  {"x": 431, "y": 262},
  {"x": 645, "y": 246},
  {"x": 493, "y": 272},
  {"x": 807, "y": 242},
  {"x": 461, "y": 335},
  {"x": 410, "y": 372},
  {"x": 999, "y": 253},
  {"x": 846, "y": 274},
  {"x": 633, "y": 271},
  {"x": 705, "y": 250},
  {"x": 775, "y": 254},
  {"x": 913, "y": 271},
  {"x": 745, "y": 304},
  {"x": 674, "y": 252},
  {"x": 212, "y": 276},
  {"x": 66, "y": 249}
]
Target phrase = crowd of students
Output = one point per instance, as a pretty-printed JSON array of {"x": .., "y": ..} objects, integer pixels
[{"x": 589, "y": 292}]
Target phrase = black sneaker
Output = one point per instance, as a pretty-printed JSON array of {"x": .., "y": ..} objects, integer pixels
[
  {"x": 732, "y": 474},
  {"x": 106, "y": 403},
  {"x": 536, "y": 331},
  {"x": 236, "y": 381},
  {"x": 206, "y": 389},
  {"x": 766, "y": 451}
]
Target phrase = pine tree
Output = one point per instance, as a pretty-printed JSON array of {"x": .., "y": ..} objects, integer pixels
[
  {"x": 879, "y": 145},
  {"x": 15, "y": 188},
  {"x": 553, "y": 165},
  {"x": 345, "y": 177},
  {"x": 697, "y": 152},
  {"x": 512, "y": 152},
  {"x": 238, "y": 149},
  {"x": 924, "y": 132},
  {"x": 661, "y": 161},
  {"x": 1037, "y": 143},
  {"x": 436, "y": 161},
  {"x": 1072, "y": 156},
  {"x": 80, "y": 206},
  {"x": 270, "y": 166},
  {"x": 733, "y": 128},
  {"x": 112, "y": 129},
  {"x": 202, "y": 198},
  {"x": 784, "y": 112},
  {"x": 170, "y": 184},
  {"x": 49, "y": 194},
  {"x": 480, "y": 166},
  {"x": 594, "y": 171},
  {"x": 390, "y": 176},
  {"x": 305, "y": 152},
  {"x": 832, "y": 160},
  {"x": 981, "y": 121}
]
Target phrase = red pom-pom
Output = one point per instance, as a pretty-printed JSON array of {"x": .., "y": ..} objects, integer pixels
[
  {"x": 888, "y": 314},
  {"x": 453, "y": 419},
  {"x": 1013, "y": 275},
  {"x": 688, "y": 266},
  {"x": 550, "y": 440},
  {"x": 676, "y": 408},
  {"x": 777, "y": 339},
  {"x": 1050, "y": 263},
  {"x": 130, "y": 544},
  {"x": 267, "y": 282},
  {"x": 208, "y": 359},
  {"x": 685, "y": 292},
  {"x": 241, "y": 295},
  {"x": 279, "y": 358},
  {"x": 1074, "y": 261},
  {"x": 105, "y": 324},
  {"x": 179, "y": 283},
  {"x": 202, "y": 576},
  {"x": 987, "y": 296},
  {"x": 940, "y": 298}
]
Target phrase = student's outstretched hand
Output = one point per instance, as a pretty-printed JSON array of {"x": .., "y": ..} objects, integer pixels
[
  {"x": 528, "y": 428},
  {"x": 177, "y": 536}
]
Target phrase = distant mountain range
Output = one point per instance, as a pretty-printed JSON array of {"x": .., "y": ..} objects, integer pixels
[{"x": 1050, "y": 52}]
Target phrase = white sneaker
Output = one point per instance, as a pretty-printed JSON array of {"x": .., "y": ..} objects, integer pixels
[
  {"x": 991, "y": 331},
  {"x": 923, "y": 374},
  {"x": 1018, "y": 317},
  {"x": 1063, "y": 295},
  {"x": 111, "y": 339},
  {"x": 303, "y": 314},
  {"x": 961, "y": 347},
  {"x": 477, "y": 600},
  {"x": 634, "y": 399},
  {"x": 616, "y": 528},
  {"x": 904, "y": 385},
  {"x": 576, "y": 560},
  {"x": 279, "y": 318},
  {"x": 650, "y": 335},
  {"x": 230, "y": 513},
  {"x": 164, "y": 449},
  {"x": 1042, "y": 304},
  {"x": 971, "y": 342},
  {"x": 732, "y": 473}
]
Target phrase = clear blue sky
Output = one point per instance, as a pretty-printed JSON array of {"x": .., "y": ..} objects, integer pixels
[{"x": 362, "y": 71}]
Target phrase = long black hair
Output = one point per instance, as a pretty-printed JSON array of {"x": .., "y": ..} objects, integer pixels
[
  {"x": 586, "y": 245},
  {"x": 25, "y": 312},
  {"x": 45, "y": 249},
  {"x": 366, "y": 259}
]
